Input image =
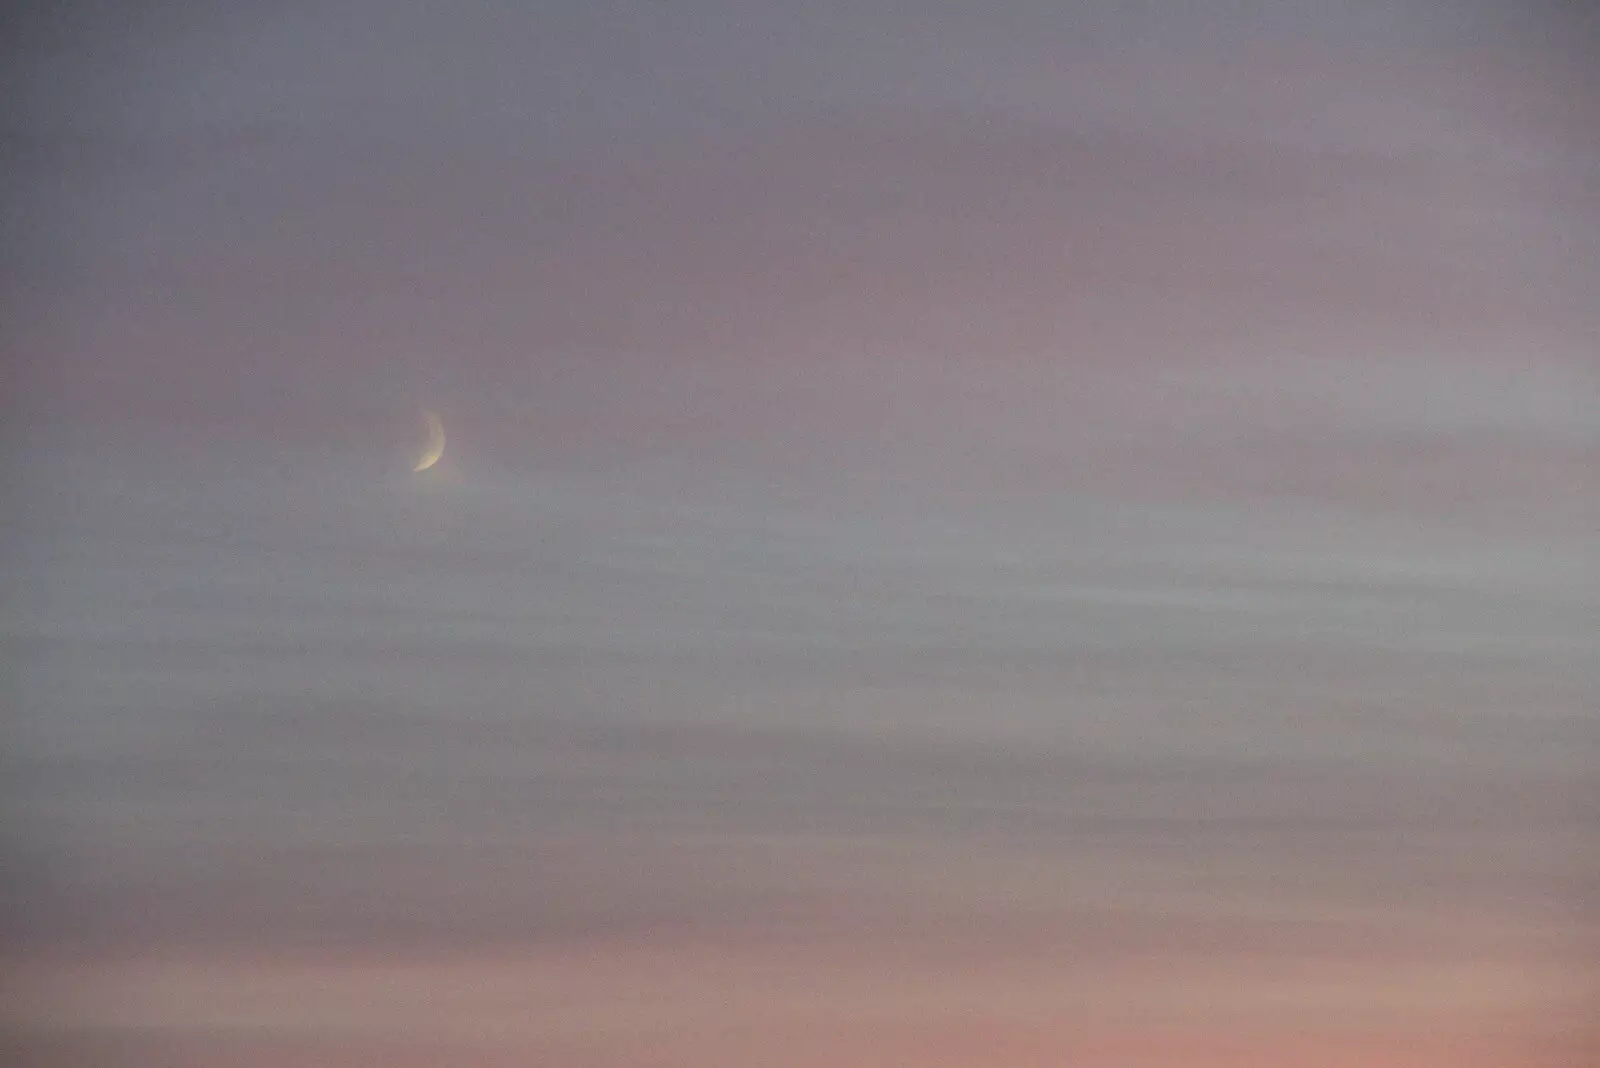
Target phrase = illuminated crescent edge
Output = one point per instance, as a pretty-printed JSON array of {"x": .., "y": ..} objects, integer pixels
[{"x": 435, "y": 449}]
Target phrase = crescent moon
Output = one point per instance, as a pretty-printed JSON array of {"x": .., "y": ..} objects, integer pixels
[{"x": 435, "y": 449}]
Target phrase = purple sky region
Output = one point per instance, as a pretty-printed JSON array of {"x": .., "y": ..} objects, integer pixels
[{"x": 1155, "y": 455}]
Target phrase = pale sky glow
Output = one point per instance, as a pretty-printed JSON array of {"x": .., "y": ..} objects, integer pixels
[{"x": 939, "y": 509}]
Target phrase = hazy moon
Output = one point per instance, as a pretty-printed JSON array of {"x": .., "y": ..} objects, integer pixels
[{"x": 435, "y": 448}]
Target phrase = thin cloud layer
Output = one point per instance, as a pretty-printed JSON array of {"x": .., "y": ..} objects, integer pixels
[{"x": 1045, "y": 534}]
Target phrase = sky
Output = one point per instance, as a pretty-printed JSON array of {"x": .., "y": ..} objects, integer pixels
[{"x": 1053, "y": 533}]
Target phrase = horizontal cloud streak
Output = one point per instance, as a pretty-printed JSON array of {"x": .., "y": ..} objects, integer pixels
[{"x": 1036, "y": 536}]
